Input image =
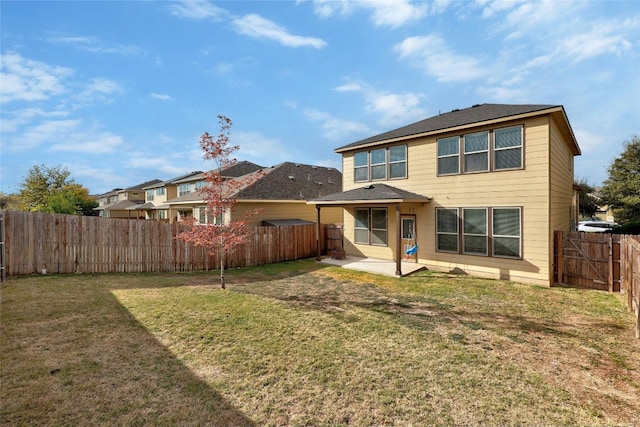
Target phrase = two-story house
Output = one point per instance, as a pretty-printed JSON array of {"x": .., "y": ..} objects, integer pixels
[
  {"x": 480, "y": 189},
  {"x": 157, "y": 195},
  {"x": 279, "y": 192},
  {"x": 188, "y": 196},
  {"x": 123, "y": 203}
]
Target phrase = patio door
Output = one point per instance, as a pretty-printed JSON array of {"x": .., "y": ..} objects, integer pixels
[{"x": 409, "y": 242}]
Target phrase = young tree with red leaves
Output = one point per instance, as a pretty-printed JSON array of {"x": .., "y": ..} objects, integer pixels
[{"x": 223, "y": 236}]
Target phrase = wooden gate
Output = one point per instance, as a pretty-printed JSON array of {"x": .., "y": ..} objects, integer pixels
[
  {"x": 587, "y": 260},
  {"x": 333, "y": 237}
]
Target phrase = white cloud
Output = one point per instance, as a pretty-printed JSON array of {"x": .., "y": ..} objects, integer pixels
[
  {"x": 349, "y": 87},
  {"x": 255, "y": 26},
  {"x": 198, "y": 10},
  {"x": 96, "y": 91},
  {"x": 95, "y": 45},
  {"x": 11, "y": 121},
  {"x": 384, "y": 13},
  {"x": 601, "y": 39},
  {"x": 335, "y": 128},
  {"x": 589, "y": 141},
  {"x": 505, "y": 94},
  {"x": 161, "y": 96},
  {"x": 397, "y": 13},
  {"x": 68, "y": 135},
  {"x": 393, "y": 108},
  {"x": 258, "y": 148},
  {"x": 88, "y": 142},
  {"x": 432, "y": 54},
  {"x": 245, "y": 63},
  {"x": 28, "y": 80}
]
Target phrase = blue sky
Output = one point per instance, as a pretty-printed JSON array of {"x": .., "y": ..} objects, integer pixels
[{"x": 119, "y": 92}]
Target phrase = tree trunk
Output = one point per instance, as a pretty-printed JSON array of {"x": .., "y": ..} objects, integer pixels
[{"x": 222, "y": 284}]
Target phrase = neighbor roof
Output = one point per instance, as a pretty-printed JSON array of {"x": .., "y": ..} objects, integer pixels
[
  {"x": 141, "y": 186},
  {"x": 285, "y": 181},
  {"x": 476, "y": 114},
  {"x": 293, "y": 181},
  {"x": 172, "y": 180},
  {"x": 378, "y": 193}
]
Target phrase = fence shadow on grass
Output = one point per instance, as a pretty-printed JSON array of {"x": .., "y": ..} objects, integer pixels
[{"x": 73, "y": 355}]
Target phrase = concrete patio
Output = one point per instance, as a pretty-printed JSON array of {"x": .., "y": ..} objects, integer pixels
[{"x": 374, "y": 265}]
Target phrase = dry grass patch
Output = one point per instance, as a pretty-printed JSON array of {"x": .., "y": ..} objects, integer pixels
[{"x": 301, "y": 344}]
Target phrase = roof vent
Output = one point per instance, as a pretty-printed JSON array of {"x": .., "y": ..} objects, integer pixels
[
  {"x": 475, "y": 105},
  {"x": 368, "y": 187},
  {"x": 453, "y": 111},
  {"x": 291, "y": 177}
]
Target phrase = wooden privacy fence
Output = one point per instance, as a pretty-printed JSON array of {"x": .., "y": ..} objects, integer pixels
[
  {"x": 57, "y": 243},
  {"x": 587, "y": 260},
  {"x": 631, "y": 275},
  {"x": 603, "y": 261}
]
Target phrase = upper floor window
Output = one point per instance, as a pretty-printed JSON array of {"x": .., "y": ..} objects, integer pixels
[
  {"x": 449, "y": 155},
  {"x": 160, "y": 191},
  {"x": 204, "y": 217},
  {"x": 150, "y": 194},
  {"x": 495, "y": 150},
  {"x": 200, "y": 184},
  {"x": 476, "y": 152},
  {"x": 380, "y": 164},
  {"x": 184, "y": 189},
  {"x": 507, "y": 148}
]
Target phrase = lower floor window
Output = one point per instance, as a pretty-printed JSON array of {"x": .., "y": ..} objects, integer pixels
[
  {"x": 480, "y": 231},
  {"x": 371, "y": 226}
]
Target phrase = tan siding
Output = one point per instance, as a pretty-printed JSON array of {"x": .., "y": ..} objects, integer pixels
[
  {"x": 287, "y": 210},
  {"x": 527, "y": 188}
]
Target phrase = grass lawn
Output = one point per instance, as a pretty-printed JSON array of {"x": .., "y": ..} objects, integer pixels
[{"x": 300, "y": 343}]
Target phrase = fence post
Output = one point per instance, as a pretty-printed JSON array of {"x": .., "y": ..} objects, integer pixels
[
  {"x": 610, "y": 279},
  {"x": 3, "y": 277},
  {"x": 560, "y": 249}
]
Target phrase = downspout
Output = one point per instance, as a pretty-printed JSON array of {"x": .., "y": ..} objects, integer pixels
[
  {"x": 318, "y": 249},
  {"x": 398, "y": 243}
]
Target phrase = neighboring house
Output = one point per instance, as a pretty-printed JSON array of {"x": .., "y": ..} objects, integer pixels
[
  {"x": 480, "y": 190},
  {"x": 156, "y": 195},
  {"x": 188, "y": 189},
  {"x": 120, "y": 203},
  {"x": 280, "y": 192}
]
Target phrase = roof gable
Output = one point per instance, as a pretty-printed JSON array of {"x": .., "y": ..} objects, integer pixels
[{"x": 286, "y": 181}]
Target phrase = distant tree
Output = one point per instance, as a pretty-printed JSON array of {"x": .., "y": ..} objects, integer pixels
[
  {"x": 588, "y": 200},
  {"x": 72, "y": 199},
  {"x": 222, "y": 236},
  {"x": 48, "y": 189},
  {"x": 9, "y": 202},
  {"x": 621, "y": 190}
]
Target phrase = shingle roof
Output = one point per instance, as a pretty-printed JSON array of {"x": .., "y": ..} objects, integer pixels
[
  {"x": 172, "y": 180},
  {"x": 476, "y": 114},
  {"x": 241, "y": 168},
  {"x": 286, "y": 181},
  {"x": 121, "y": 205},
  {"x": 293, "y": 181},
  {"x": 371, "y": 193},
  {"x": 143, "y": 185}
]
